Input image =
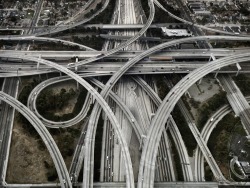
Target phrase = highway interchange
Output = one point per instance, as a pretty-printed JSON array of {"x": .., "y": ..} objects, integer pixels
[{"x": 149, "y": 132}]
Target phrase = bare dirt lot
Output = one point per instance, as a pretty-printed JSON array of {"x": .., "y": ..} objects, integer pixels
[
  {"x": 26, "y": 161},
  {"x": 29, "y": 160}
]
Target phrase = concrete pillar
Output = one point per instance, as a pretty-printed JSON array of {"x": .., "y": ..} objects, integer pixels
[
  {"x": 239, "y": 68},
  {"x": 200, "y": 81},
  {"x": 77, "y": 85},
  {"x": 76, "y": 69},
  {"x": 216, "y": 73},
  {"x": 212, "y": 58},
  {"x": 38, "y": 63}
]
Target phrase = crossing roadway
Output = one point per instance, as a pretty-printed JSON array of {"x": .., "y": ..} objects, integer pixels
[
  {"x": 163, "y": 113},
  {"x": 105, "y": 107}
]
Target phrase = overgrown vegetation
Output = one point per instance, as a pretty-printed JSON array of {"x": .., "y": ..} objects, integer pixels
[
  {"x": 93, "y": 11},
  {"x": 243, "y": 82},
  {"x": 53, "y": 46},
  {"x": 177, "y": 161},
  {"x": 208, "y": 173},
  {"x": 236, "y": 44},
  {"x": 98, "y": 149},
  {"x": 94, "y": 41},
  {"x": 105, "y": 16},
  {"x": 186, "y": 133},
  {"x": 65, "y": 138},
  {"x": 48, "y": 101},
  {"x": 24, "y": 94},
  {"x": 212, "y": 104},
  {"x": 161, "y": 86},
  {"x": 162, "y": 17},
  {"x": 145, "y": 7},
  {"x": 219, "y": 140}
]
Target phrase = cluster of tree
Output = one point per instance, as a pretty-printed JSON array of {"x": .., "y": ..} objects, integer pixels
[
  {"x": 95, "y": 42},
  {"x": 244, "y": 10},
  {"x": 65, "y": 143},
  {"x": 155, "y": 32},
  {"x": 80, "y": 29},
  {"x": 24, "y": 94},
  {"x": 54, "y": 46},
  {"x": 243, "y": 83},
  {"x": 51, "y": 171},
  {"x": 93, "y": 11},
  {"x": 48, "y": 101},
  {"x": 9, "y": 32},
  {"x": 105, "y": 16},
  {"x": 98, "y": 148},
  {"x": 170, "y": 8},
  {"x": 162, "y": 17},
  {"x": 210, "y": 106},
  {"x": 208, "y": 173},
  {"x": 186, "y": 133},
  {"x": 231, "y": 44},
  {"x": 145, "y": 7},
  {"x": 219, "y": 140},
  {"x": 194, "y": 103},
  {"x": 177, "y": 161},
  {"x": 161, "y": 86}
]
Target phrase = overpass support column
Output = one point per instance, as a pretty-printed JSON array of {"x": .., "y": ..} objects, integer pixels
[
  {"x": 200, "y": 81},
  {"x": 143, "y": 137},
  {"x": 76, "y": 69},
  {"x": 170, "y": 117},
  {"x": 212, "y": 58},
  {"x": 20, "y": 80},
  {"x": 37, "y": 66},
  {"x": 239, "y": 68},
  {"x": 216, "y": 73}
]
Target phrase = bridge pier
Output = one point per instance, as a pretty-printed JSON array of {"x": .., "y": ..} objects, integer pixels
[
  {"x": 215, "y": 76},
  {"x": 19, "y": 79},
  {"x": 200, "y": 81},
  {"x": 239, "y": 68},
  {"x": 38, "y": 63},
  {"x": 143, "y": 137},
  {"x": 76, "y": 69}
]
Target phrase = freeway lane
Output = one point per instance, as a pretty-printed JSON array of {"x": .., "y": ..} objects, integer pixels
[
  {"x": 10, "y": 87},
  {"x": 187, "y": 171},
  {"x": 88, "y": 174},
  {"x": 178, "y": 53}
]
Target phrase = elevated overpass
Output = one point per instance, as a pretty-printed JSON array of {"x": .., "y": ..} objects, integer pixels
[
  {"x": 104, "y": 106},
  {"x": 46, "y": 137},
  {"x": 167, "y": 106}
]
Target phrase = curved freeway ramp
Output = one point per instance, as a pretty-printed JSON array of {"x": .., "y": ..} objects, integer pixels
[
  {"x": 45, "y": 135},
  {"x": 105, "y": 107},
  {"x": 157, "y": 126}
]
